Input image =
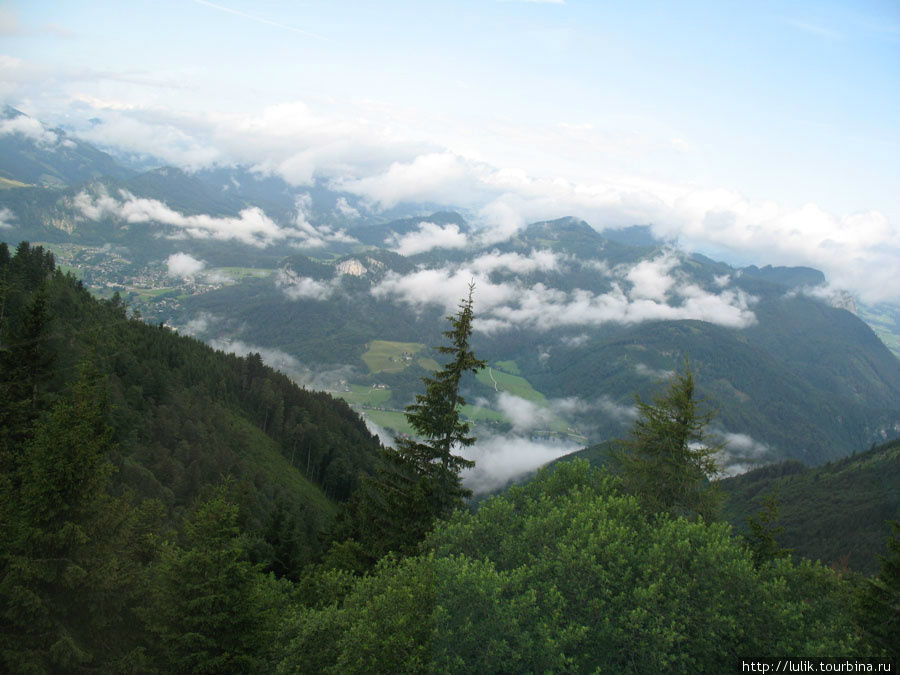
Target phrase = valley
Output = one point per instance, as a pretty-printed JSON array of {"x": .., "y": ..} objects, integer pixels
[{"x": 525, "y": 336}]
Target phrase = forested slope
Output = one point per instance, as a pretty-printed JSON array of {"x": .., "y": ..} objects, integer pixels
[
  {"x": 183, "y": 416},
  {"x": 835, "y": 513}
]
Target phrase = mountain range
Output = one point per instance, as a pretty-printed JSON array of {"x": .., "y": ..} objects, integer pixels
[{"x": 573, "y": 319}]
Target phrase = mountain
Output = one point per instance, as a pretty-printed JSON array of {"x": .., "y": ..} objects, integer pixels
[
  {"x": 33, "y": 154},
  {"x": 573, "y": 319},
  {"x": 183, "y": 416},
  {"x": 835, "y": 513}
]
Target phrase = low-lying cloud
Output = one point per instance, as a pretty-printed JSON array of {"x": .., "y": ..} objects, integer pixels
[
  {"x": 297, "y": 287},
  {"x": 644, "y": 370},
  {"x": 386, "y": 155},
  {"x": 184, "y": 265},
  {"x": 648, "y": 291},
  {"x": 501, "y": 459},
  {"x": 428, "y": 236},
  {"x": 741, "y": 453},
  {"x": 321, "y": 378},
  {"x": 252, "y": 226},
  {"x": 522, "y": 414},
  {"x": 6, "y": 218},
  {"x": 31, "y": 129}
]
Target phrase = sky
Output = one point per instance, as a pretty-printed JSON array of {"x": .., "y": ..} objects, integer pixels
[{"x": 765, "y": 132}]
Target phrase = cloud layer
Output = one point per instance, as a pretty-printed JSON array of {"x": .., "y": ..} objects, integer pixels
[
  {"x": 252, "y": 226},
  {"x": 651, "y": 290},
  {"x": 384, "y": 155}
]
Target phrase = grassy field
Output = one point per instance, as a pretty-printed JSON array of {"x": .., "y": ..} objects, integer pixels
[
  {"x": 885, "y": 324},
  {"x": 514, "y": 384},
  {"x": 366, "y": 396},
  {"x": 510, "y": 367},
  {"x": 148, "y": 293},
  {"x": 9, "y": 183},
  {"x": 391, "y": 420},
  {"x": 428, "y": 363},
  {"x": 240, "y": 273},
  {"x": 384, "y": 356},
  {"x": 477, "y": 413}
]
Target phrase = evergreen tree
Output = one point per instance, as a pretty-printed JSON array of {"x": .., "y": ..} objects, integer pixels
[
  {"x": 66, "y": 576},
  {"x": 667, "y": 460},
  {"x": 764, "y": 530},
  {"x": 436, "y": 418},
  {"x": 25, "y": 366},
  {"x": 207, "y": 612},
  {"x": 418, "y": 481},
  {"x": 878, "y": 606}
]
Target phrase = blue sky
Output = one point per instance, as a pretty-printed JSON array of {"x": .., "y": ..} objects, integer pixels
[{"x": 767, "y": 131}]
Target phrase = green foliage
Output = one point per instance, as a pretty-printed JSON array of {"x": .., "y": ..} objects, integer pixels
[
  {"x": 182, "y": 415},
  {"x": 567, "y": 573},
  {"x": 667, "y": 460},
  {"x": 436, "y": 419},
  {"x": 878, "y": 602},
  {"x": 69, "y": 563},
  {"x": 207, "y": 613},
  {"x": 764, "y": 530}
]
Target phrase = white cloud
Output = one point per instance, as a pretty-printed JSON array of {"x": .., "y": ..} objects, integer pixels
[
  {"x": 29, "y": 128},
  {"x": 304, "y": 288},
  {"x": 616, "y": 411},
  {"x": 251, "y": 226},
  {"x": 322, "y": 378},
  {"x": 386, "y": 438},
  {"x": 184, "y": 265},
  {"x": 379, "y": 153},
  {"x": 442, "y": 177},
  {"x": 500, "y": 459},
  {"x": 199, "y": 324},
  {"x": 426, "y": 237},
  {"x": 6, "y": 218},
  {"x": 544, "y": 260},
  {"x": 741, "y": 453},
  {"x": 575, "y": 340},
  {"x": 523, "y": 415},
  {"x": 345, "y": 209},
  {"x": 858, "y": 252},
  {"x": 507, "y": 304},
  {"x": 312, "y": 236},
  {"x": 652, "y": 279}
]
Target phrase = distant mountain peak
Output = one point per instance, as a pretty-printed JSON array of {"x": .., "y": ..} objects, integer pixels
[{"x": 11, "y": 113}]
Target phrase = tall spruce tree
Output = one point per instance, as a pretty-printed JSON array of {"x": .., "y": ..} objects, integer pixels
[
  {"x": 418, "y": 480},
  {"x": 667, "y": 460},
  {"x": 436, "y": 418}
]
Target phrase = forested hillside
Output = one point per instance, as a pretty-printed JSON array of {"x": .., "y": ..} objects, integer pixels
[
  {"x": 163, "y": 504},
  {"x": 182, "y": 416},
  {"x": 835, "y": 513}
]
